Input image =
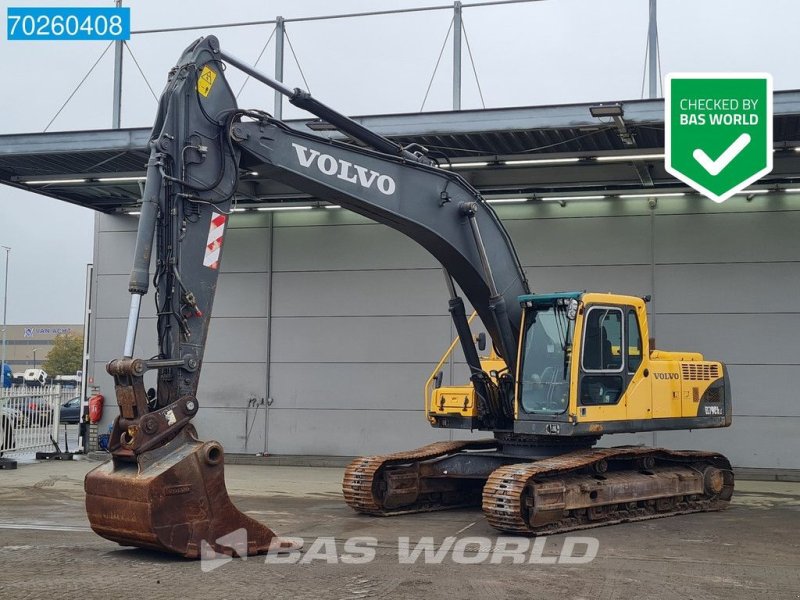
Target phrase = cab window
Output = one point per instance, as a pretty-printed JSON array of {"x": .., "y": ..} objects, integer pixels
[
  {"x": 634, "y": 343},
  {"x": 602, "y": 356},
  {"x": 545, "y": 365},
  {"x": 602, "y": 342}
]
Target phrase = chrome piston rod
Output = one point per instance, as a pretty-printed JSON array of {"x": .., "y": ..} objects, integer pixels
[{"x": 133, "y": 323}]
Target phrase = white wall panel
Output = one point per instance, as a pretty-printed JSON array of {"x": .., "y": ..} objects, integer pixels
[
  {"x": 114, "y": 253},
  {"x": 728, "y": 237},
  {"x": 359, "y": 339},
  {"x": 349, "y": 386},
  {"x": 634, "y": 280},
  {"x": 765, "y": 390},
  {"x": 231, "y": 385},
  {"x": 242, "y": 295},
  {"x": 229, "y": 427},
  {"x": 745, "y": 339},
  {"x": 582, "y": 241},
  {"x": 729, "y": 288},
  {"x": 245, "y": 250},
  {"x": 348, "y": 432},
  {"x": 360, "y": 293},
  {"x": 763, "y": 442},
  {"x": 239, "y": 340},
  {"x": 349, "y": 247}
]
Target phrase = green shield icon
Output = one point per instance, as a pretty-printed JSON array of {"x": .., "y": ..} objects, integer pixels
[{"x": 718, "y": 130}]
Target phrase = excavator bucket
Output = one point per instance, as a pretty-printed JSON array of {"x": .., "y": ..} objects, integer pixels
[{"x": 173, "y": 499}]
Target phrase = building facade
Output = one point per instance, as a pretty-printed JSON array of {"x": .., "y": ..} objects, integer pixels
[
  {"x": 339, "y": 321},
  {"x": 27, "y": 346}
]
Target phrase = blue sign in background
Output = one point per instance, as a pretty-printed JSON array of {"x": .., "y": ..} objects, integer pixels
[{"x": 65, "y": 23}]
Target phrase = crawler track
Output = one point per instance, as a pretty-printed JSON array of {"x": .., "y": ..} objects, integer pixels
[
  {"x": 589, "y": 488},
  {"x": 364, "y": 483},
  {"x": 575, "y": 490}
]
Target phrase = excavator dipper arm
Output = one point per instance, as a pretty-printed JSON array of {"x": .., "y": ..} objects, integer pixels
[{"x": 164, "y": 489}]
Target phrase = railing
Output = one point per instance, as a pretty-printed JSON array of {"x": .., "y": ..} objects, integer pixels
[
  {"x": 427, "y": 393},
  {"x": 29, "y": 417},
  {"x": 456, "y": 33}
]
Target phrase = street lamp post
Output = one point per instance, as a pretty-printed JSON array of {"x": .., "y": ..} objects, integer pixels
[{"x": 5, "y": 305}]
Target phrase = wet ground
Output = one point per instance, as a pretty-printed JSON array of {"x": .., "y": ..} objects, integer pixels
[{"x": 751, "y": 550}]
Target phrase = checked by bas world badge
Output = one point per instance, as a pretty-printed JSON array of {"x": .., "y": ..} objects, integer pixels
[{"x": 718, "y": 130}]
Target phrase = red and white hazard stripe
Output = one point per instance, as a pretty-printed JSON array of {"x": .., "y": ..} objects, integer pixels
[{"x": 214, "y": 243}]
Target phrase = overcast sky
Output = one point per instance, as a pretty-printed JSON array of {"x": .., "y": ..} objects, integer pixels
[{"x": 552, "y": 51}]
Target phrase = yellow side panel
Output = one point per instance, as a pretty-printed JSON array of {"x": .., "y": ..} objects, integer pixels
[
  {"x": 638, "y": 398},
  {"x": 665, "y": 379},
  {"x": 675, "y": 356},
  {"x": 454, "y": 400},
  {"x": 607, "y": 412}
]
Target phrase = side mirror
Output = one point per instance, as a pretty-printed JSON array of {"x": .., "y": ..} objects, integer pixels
[
  {"x": 437, "y": 381},
  {"x": 481, "y": 341}
]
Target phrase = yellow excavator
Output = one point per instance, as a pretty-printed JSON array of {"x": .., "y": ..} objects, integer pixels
[{"x": 561, "y": 370}]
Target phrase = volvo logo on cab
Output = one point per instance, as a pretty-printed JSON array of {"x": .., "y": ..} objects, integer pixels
[
  {"x": 329, "y": 165},
  {"x": 666, "y": 376}
]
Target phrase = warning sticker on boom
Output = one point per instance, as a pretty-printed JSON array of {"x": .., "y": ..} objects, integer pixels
[{"x": 205, "y": 81}]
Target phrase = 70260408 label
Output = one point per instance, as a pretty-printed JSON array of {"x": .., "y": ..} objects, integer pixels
[{"x": 68, "y": 23}]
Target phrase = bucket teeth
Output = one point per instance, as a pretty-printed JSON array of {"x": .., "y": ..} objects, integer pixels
[{"x": 173, "y": 499}]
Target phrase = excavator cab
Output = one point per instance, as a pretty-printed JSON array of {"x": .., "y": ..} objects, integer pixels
[{"x": 586, "y": 367}]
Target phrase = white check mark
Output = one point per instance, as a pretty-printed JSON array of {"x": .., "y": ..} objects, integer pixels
[{"x": 715, "y": 167}]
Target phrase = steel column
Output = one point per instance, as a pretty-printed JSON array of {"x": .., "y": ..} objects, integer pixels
[
  {"x": 280, "y": 34},
  {"x": 116, "y": 113},
  {"x": 270, "y": 280},
  {"x": 652, "y": 51},
  {"x": 457, "y": 55},
  {"x": 87, "y": 333}
]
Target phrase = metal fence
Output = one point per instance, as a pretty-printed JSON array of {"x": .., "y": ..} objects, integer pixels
[
  {"x": 29, "y": 418},
  {"x": 455, "y": 33}
]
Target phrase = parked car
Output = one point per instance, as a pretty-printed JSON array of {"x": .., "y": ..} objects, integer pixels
[
  {"x": 15, "y": 416},
  {"x": 71, "y": 411},
  {"x": 37, "y": 411}
]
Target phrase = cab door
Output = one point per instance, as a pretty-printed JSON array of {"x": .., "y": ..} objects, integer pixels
[
  {"x": 603, "y": 374},
  {"x": 638, "y": 397},
  {"x": 612, "y": 384}
]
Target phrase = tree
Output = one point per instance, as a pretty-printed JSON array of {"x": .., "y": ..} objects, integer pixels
[{"x": 66, "y": 356}]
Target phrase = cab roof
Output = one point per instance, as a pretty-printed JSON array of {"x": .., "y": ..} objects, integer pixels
[{"x": 549, "y": 298}]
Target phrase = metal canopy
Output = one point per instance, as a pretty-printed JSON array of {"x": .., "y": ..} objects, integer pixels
[{"x": 87, "y": 159}]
